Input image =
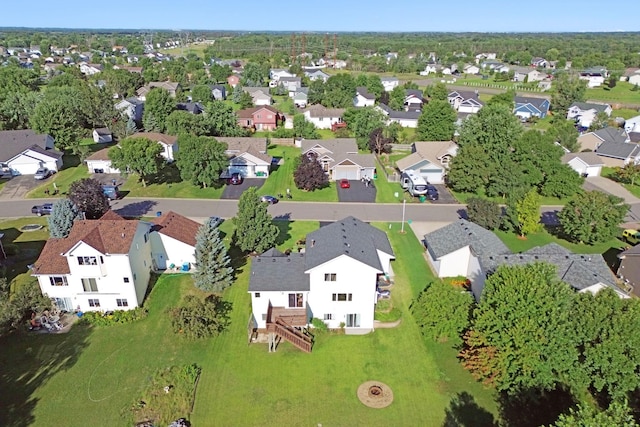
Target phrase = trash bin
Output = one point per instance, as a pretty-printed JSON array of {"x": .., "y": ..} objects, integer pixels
[
  {"x": 159, "y": 213},
  {"x": 422, "y": 199}
]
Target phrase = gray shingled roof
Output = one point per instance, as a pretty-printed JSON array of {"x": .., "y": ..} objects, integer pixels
[
  {"x": 460, "y": 234},
  {"x": 578, "y": 270},
  {"x": 278, "y": 273},
  {"x": 588, "y": 157},
  {"x": 611, "y": 134},
  {"x": 536, "y": 102},
  {"x": 618, "y": 150},
  {"x": 584, "y": 106},
  {"x": 350, "y": 237},
  {"x": 14, "y": 142},
  {"x": 339, "y": 150},
  {"x": 362, "y": 91}
]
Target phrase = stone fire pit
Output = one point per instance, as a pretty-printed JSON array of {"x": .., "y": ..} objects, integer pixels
[{"x": 375, "y": 394}]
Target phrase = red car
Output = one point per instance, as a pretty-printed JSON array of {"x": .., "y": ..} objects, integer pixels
[{"x": 344, "y": 183}]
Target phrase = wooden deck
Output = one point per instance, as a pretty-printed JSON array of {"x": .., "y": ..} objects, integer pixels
[
  {"x": 291, "y": 316},
  {"x": 284, "y": 322}
]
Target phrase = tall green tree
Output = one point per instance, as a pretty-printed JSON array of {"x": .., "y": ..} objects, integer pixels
[
  {"x": 222, "y": 120},
  {"x": 89, "y": 198},
  {"x": 396, "y": 98},
  {"x": 60, "y": 115},
  {"x": 363, "y": 121},
  {"x": 63, "y": 214},
  {"x": 214, "y": 272},
  {"x": 484, "y": 212},
  {"x": 528, "y": 213},
  {"x": 522, "y": 335},
  {"x": 561, "y": 181},
  {"x": 470, "y": 169},
  {"x": 339, "y": 91},
  {"x": 437, "y": 122},
  {"x": 316, "y": 92},
  {"x": 201, "y": 93},
  {"x": 201, "y": 160},
  {"x": 592, "y": 217},
  {"x": 628, "y": 174},
  {"x": 494, "y": 128},
  {"x": 137, "y": 155},
  {"x": 607, "y": 339},
  {"x": 309, "y": 175},
  {"x": 179, "y": 122},
  {"x": 438, "y": 91},
  {"x": 507, "y": 98},
  {"x": 16, "y": 108},
  {"x": 567, "y": 90},
  {"x": 157, "y": 107},
  {"x": 618, "y": 414},
  {"x": 255, "y": 231},
  {"x": 303, "y": 128},
  {"x": 565, "y": 133},
  {"x": 16, "y": 309},
  {"x": 443, "y": 312}
]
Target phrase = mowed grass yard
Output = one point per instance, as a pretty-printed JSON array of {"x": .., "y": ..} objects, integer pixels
[{"x": 94, "y": 375}]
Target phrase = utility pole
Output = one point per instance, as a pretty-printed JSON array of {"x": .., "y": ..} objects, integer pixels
[
  {"x": 293, "y": 47},
  {"x": 326, "y": 43},
  {"x": 304, "y": 44},
  {"x": 335, "y": 49},
  {"x": 404, "y": 203}
]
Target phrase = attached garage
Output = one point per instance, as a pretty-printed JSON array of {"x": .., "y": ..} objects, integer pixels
[
  {"x": 28, "y": 162},
  {"x": 433, "y": 175},
  {"x": 99, "y": 162},
  {"x": 586, "y": 163},
  {"x": 346, "y": 170}
]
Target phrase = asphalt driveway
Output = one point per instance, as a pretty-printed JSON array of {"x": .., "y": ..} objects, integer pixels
[
  {"x": 444, "y": 195},
  {"x": 358, "y": 193},
  {"x": 18, "y": 186},
  {"x": 235, "y": 191}
]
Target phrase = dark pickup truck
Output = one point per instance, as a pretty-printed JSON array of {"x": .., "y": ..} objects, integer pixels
[{"x": 42, "y": 209}]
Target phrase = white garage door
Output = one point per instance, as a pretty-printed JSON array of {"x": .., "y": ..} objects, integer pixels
[
  {"x": 345, "y": 172},
  {"x": 432, "y": 176}
]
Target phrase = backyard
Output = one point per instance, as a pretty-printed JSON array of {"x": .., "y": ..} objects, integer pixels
[{"x": 97, "y": 373}]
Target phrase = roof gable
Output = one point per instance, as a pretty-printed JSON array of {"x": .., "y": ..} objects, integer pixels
[{"x": 177, "y": 227}]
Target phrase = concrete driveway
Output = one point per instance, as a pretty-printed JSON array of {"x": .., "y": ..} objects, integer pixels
[
  {"x": 357, "y": 193},
  {"x": 18, "y": 186},
  {"x": 608, "y": 186},
  {"x": 235, "y": 191}
]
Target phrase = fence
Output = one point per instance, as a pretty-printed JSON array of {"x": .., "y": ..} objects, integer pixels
[
  {"x": 504, "y": 87},
  {"x": 401, "y": 147}
]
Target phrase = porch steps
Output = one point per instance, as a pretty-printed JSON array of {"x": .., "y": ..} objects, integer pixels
[{"x": 289, "y": 333}]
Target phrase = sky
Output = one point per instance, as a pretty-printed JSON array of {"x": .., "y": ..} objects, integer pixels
[{"x": 327, "y": 15}]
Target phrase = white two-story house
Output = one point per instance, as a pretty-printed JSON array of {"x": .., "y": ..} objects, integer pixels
[
  {"x": 334, "y": 279},
  {"x": 105, "y": 264}
]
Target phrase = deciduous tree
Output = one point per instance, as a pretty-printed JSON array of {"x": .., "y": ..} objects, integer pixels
[
  {"x": 379, "y": 142},
  {"x": 137, "y": 155},
  {"x": 201, "y": 93},
  {"x": 157, "y": 107},
  {"x": 222, "y": 120},
  {"x": 199, "y": 318},
  {"x": 436, "y": 122},
  {"x": 438, "y": 91},
  {"x": 528, "y": 213},
  {"x": 339, "y": 91},
  {"x": 214, "y": 272},
  {"x": 63, "y": 214},
  {"x": 566, "y": 90},
  {"x": 628, "y": 174},
  {"x": 60, "y": 115},
  {"x": 618, "y": 414},
  {"x": 443, "y": 311},
  {"x": 522, "y": 335},
  {"x": 396, "y": 98},
  {"x": 303, "y": 128},
  {"x": 362, "y": 121},
  {"x": 592, "y": 217},
  {"x": 254, "y": 231},
  {"x": 87, "y": 195},
  {"x": 201, "y": 160},
  {"x": 309, "y": 174},
  {"x": 486, "y": 213},
  {"x": 564, "y": 132}
]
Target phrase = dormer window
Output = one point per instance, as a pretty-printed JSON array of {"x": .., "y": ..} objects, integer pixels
[{"x": 87, "y": 260}]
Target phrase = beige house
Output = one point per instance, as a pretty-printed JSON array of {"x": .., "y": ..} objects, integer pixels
[{"x": 430, "y": 159}]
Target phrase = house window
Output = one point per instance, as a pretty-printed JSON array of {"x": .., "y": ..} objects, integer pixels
[
  {"x": 87, "y": 260},
  {"x": 122, "y": 302},
  {"x": 58, "y": 281},
  {"x": 353, "y": 321},
  {"x": 295, "y": 300},
  {"x": 94, "y": 302},
  {"x": 264, "y": 316},
  {"x": 328, "y": 316},
  {"x": 146, "y": 237},
  {"x": 89, "y": 285},
  {"x": 330, "y": 277},
  {"x": 256, "y": 295},
  {"x": 341, "y": 297},
  {"x": 258, "y": 116},
  {"x": 126, "y": 280}
]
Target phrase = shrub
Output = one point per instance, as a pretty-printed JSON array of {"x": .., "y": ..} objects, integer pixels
[
  {"x": 117, "y": 317},
  {"x": 201, "y": 318},
  {"x": 319, "y": 325},
  {"x": 485, "y": 213},
  {"x": 11, "y": 249}
]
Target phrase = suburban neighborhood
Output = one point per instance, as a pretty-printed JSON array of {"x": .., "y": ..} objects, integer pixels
[{"x": 225, "y": 231}]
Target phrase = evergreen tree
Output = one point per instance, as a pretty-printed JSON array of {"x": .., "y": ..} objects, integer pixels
[
  {"x": 63, "y": 214},
  {"x": 213, "y": 266},
  {"x": 255, "y": 231}
]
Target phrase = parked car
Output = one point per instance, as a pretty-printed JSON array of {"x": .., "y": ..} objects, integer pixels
[
  {"x": 631, "y": 236},
  {"x": 269, "y": 199},
  {"x": 432, "y": 193},
  {"x": 43, "y": 173},
  {"x": 235, "y": 179},
  {"x": 42, "y": 209},
  {"x": 344, "y": 183},
  {"x": 111, "y": 191},
  {"x": 383, "y": 293},
  {"x": 215, "y": 220}
]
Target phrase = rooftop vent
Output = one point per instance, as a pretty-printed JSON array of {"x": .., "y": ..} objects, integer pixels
[{"x": 273, "y": 260}]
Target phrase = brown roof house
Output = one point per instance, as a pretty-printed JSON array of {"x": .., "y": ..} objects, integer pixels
[
  {"x": 340, "y": 158},
  {"x": 259, "y": 118},
  {"x": 106, "y": 264},
  {"x": 170, "y": 87},
  {"x": 430, "y": 159},
  {"x": 247, "y": 156}
]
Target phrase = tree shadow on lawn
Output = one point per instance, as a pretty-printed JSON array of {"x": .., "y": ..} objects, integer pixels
[
  {"x": 463, "y": 411},
  {"x": 28, "y": 361},
  {"x": 168, "y": 174},
  {"x": 284, "y": 231},
  {"x": 534, "y": 407},
  {"x": 25, "y": 253}
]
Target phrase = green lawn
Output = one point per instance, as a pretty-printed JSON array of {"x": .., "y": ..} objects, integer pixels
[
  {"x": 625, "y": 113},
  {"x": 72, "y": 170},
  {"x": 28, "y": 244},
  {"x": 169, "y": 184},
  {"x": 621, "y": 93},
  {"x": 281, "y": 178},
  {"x": 101, "y": 371},
  {"x": 385, "y": 190},
  {"x": 518, "y": 244}
]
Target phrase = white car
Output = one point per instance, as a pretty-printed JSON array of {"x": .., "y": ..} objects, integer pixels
[{"x": 43, "y": 173}]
